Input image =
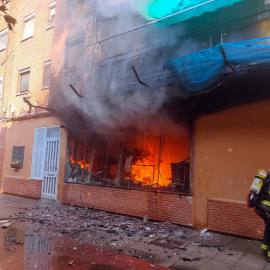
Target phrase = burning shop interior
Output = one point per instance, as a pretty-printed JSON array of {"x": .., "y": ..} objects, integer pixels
[{"x": 130, "y": 160}]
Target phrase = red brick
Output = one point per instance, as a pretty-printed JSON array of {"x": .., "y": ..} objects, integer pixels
[
  {"x": 234, "y": 218},
  {"x": 23, "y": 187},
  {"x": 160, "y": 206}
]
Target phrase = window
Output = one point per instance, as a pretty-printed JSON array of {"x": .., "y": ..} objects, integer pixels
[
  {"x": 52, "y": 12},
  {"x": 1, "y": 86},
  {"x": 29, "y": 22},
  {"x": 18, "y": 155},
  {"x": 3, "y": 39},
  {"x": 75, "y": 54},
  {"x": 24, "y": 80},
  {"x": 47, "y": 74}
]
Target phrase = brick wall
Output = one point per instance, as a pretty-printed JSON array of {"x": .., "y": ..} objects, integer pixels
[
  {"x": 234, "y": 217},
  {"x": 158, "y": 206},
  {"x": 29, "y": 53},
  {"x": 23, "y": 187}
]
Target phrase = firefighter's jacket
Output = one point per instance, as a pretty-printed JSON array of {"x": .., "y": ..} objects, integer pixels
[{"x": 264, "y": 195}]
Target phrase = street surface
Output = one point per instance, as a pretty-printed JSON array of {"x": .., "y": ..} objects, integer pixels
[{"x": 47, "y": 235}]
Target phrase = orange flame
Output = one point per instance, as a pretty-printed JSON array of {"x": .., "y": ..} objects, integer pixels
[
  {"x": 146, "y": 169},
  {"x": 80, "y": 162}
]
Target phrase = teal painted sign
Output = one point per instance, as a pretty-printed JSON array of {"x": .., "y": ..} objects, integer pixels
[{"x": 186, "y": 9}]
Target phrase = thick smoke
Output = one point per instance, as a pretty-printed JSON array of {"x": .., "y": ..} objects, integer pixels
[{"x": 93, "y": 55}]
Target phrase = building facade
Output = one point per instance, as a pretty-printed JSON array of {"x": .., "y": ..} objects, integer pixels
[
  {"x": 136, "y": 126},
  {"x": 27, "y": 125}
]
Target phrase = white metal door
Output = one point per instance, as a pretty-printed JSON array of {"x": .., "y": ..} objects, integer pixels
[{"x": 50, "y": 176}]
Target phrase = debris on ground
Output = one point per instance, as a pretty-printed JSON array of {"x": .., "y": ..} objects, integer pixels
[
  {"x": 6, "y": 224},
  {"x": 204, "y": 231},
  {"x": 70, "y": 262},
  {"x": 190, "y": 260},
  {"x": 138, "y": 237}
]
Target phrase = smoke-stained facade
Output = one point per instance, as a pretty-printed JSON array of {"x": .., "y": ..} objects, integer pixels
[
  {"x": 114, "y": 58},
  {"x": 134, "y": 127},
  {"x": 109, "y": 90}
]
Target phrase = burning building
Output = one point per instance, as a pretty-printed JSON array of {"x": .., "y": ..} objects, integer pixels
[{"x": 154, "y": 109}]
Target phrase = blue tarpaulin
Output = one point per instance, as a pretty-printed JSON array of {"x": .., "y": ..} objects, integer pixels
[{"x": 198, "y": 71}]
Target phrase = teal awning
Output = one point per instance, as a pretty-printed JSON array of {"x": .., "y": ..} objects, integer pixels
[{"x": 184, "y": 9}]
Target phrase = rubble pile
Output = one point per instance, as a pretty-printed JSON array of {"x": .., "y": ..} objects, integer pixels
[{"x": 138, "y": 237}]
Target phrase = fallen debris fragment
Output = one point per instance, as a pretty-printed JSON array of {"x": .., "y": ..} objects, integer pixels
[
  {"x": 190, "y": 260},
  {"x": 4, "y": 221},
  {"x": 70, "y": 262},
  {"x": 7, "y": 224},
  {"x": 186, "y": 259},
  {"x": 203, "y": 231},
  {"x": 145, "y": 219}
]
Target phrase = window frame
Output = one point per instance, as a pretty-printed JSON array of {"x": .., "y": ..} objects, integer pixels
[
  {"x": 70, "y": 44},
  {"x": 49, "y": 62},
  {"x": 2, "y": 34},
  {"x": 1, "y": 86},
  {"x": 18, "y": 159},
  {"x": 27, "y": 20},
  {"x": 51, "y": 7},
  {"x": 21, "y": 73}
]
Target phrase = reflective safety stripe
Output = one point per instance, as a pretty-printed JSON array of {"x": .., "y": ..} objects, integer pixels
[
  {"x": 268, "y": 254},
  {"x": 265, "y": 247},
  {"x": 266, "y": 203}
]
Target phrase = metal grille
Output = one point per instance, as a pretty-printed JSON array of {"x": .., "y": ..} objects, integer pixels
[
  {"x": 51, "y": 163},
  {"x": 49, "y": 184}
]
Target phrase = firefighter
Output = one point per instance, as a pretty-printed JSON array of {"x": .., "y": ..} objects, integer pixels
[{"x": 259, "y": 198}]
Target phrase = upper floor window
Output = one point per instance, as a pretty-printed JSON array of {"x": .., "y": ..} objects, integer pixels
[
  {"x": 29, "y": 23},
  {"x": 52, "y": 12},
  {"x": 47, "y": 74},
  {"x": 24, "y": 80},
  {"x": 75, "y": 53},
  {"x": 1, "y": 86},
  {"x": 3, "y": 39}
]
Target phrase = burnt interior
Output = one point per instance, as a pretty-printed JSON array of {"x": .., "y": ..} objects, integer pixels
[{"x": 130, "y": 160}]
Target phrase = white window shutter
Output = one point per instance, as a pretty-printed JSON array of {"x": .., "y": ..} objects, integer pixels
[
  {"x": 38, "y": 154},
  {"x": 29, "y": 28}
]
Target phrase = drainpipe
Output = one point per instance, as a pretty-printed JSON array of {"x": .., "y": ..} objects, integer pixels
[
  {"x": 11, "y": 76},
  {"x": 5, "y": 62}
]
